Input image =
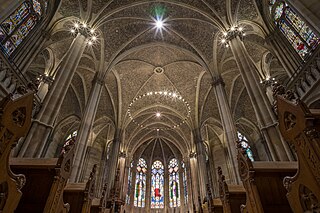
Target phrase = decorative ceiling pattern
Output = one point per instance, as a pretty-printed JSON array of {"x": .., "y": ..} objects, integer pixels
[{"x": 189, "y": 51}]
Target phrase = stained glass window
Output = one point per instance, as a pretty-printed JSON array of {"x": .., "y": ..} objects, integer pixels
[
  {"x": 298, "y": 33},
  {"x": 185, "y": 187},
  {"x": 140, "y": 188},
  {"x": 174, "y": 192},
  {"x": 19, "y": 24},
  {"x": 129, "y": 183},
  {"x": 157, "y": 185},
  {"x": 244, "y": 144},
  {"x": 71, "y": 139}
]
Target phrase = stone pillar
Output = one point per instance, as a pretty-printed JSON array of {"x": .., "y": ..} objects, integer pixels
[
  {"x": 122, "y": 179},
  {"x": 268, "y": 124},
  {"x": 194, "y": 181},
  {"x": 113, "y": 161},
  {"x": 42, "y": 126},
  {"x": 85, "y": 129},
  {"x": 181, "y": 188},
  {"x": 133, "y": 185},
  {"x": 202, "y": 166},
  {"x": 148, "y": 188},
  {"x": 166, "y": 190},
  {"x": 228, "y": 127}
]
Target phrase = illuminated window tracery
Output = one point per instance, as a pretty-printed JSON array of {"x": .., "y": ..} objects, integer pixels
[
  {"x": 19, "y": 24},
  {"x": 245, "y": 145},
  {"x": 157, "y": 185},
  {"x": 140, "y": 186},
  {"x": 298, "y": 33},
  {"x": 174, "y": 189}
]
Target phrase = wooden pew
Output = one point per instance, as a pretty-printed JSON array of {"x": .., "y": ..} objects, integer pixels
[
  {"x": 232, "y": 196},
  {"x": 300, "y": 127},
  {"x": 15, "y": 121},
  {"x": 80, "y": 195},
  {"x": 263, "y": 182},
  {"x": 46, "y": 179}
]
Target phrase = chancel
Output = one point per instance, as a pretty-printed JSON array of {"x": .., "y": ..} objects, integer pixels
[{"x": 113, "y": 106}]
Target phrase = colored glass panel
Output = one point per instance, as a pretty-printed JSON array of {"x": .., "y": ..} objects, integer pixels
[
  {"x": 2, "y": 35},
  {"x": 71, "y": 139},
  {"x": 140, "y": 186},
  {"x": 36, "y": 6},
  {"x": 174, "y": 191},
  {"x": 299, "y": 34},
  {"x": 157, "y": 185},
  {"x": 245, "y": 145}
]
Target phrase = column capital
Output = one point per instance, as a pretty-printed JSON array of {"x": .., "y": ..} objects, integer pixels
[
  {"x": 218, "y": 80},
  {"x": 192, "y": 155}
]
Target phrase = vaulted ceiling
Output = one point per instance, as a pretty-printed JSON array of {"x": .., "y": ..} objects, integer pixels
[{"x": 138, "y": 59}]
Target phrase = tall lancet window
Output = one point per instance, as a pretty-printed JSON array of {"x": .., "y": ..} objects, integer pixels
[
  {"x": 185, "y": 186},
  {"x": 140, "y": 189},
  {"x": 174, "y": 192},
  {"x": 298, "y": 33},
  {"x": 129, "y": 183},
  {"x": 157, "y": 182},
  {"x": 18, "y": 25},
  {"x": 245, "y": 145}
]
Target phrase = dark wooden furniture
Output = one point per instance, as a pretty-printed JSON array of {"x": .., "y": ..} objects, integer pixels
[
  {"x": 45, "y": 181},
  {"x": 232, "y": 196},
  {"x": 80, "y": 195},
  {"x": 263, "y": 182},
  {"x": 99, "y": 205},
  {"x": 300, "y": 127},
  {"x": 15, "y": 121}
]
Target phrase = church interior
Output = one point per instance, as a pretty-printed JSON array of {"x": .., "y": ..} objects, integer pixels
[{"x": 159, "y": 106}]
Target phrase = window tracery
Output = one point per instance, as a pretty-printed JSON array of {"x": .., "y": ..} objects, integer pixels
[
  {"x": 184, "y": 179},
  {"x": 129, "y": 183},
  {"x": 19, "y": 24},
  {"x": 140, "y": 186},
  {"x": 157, "y": 185},
  {"x": 245, "y": 145},
  {"x": 174, "y": 192},
  {"x": 298, "y": 33}
]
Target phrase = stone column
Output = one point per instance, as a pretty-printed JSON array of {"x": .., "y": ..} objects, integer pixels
[
  {"x": 123, "y": 181},
  {"x": 228, "y": 127},
  {"x": 85, "y": 128},
  {"x": 133, "y": 185},
  {"x": 189, "y": 205},
  {"x": 113, "y": 160},
  {"x": 202, "y": 166},
  {"x": 148, "y": 189},
  {"x": 194, "y": 181},
  {"x": 181, "y": 188},
  {"x": 268, "y": 124},
  {"x": 42, "y": 126},
  {"x": 166, "y": 190}
]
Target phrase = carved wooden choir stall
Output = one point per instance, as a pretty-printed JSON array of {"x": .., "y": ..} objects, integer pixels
[
  {"x": 300, "y": 127},
  {"x": 232, "y": 196},
  {"x": 15, "y": 121}
]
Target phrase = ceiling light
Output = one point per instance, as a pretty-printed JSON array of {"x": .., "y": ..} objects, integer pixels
[
  {"x": 232, "y": 28},
  {"x": 223, "y": 41},
  {"x": 174, "y": 95},
  {"x": 73, "y": 31},
  {"x": 159, "y": 24},
  {"x": 92, "y": 31},
  {"x": 225, "y": 33},
  {"x": 158, "y": 114},
  {"x": 240, "y": 28},
  {"x": 84, "y": 25},
  {"x": 94, "y": 38},
  {"x": 90, "y": 43}
]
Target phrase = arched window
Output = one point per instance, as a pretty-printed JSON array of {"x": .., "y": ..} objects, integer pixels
[
  {"x": 185, "y": 187},
  {"x": 18, "y": 25},
  {"x": 298, "y": 33},
  {"x": 157, "y": 182},
  {"x": 129, "y": 183},
  {"x": 244, "y": 144},
  {"x": 174, "y": 192},
  {"x": 140, "y": 189},
  {"x": 71, "y": 139}
]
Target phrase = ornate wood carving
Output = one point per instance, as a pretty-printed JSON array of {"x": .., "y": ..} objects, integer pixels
[
  {"x": 55, "y": 201},
  {"x": 300, "y": 127},
  {"x": 15, "y": 121},
  {"x": 89, "y": 190}
]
